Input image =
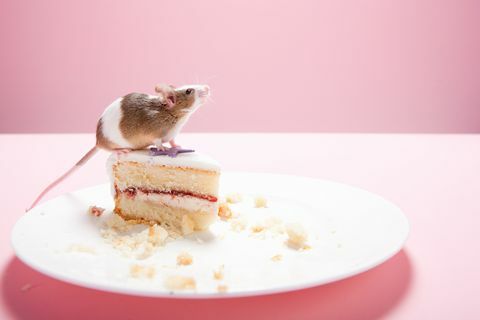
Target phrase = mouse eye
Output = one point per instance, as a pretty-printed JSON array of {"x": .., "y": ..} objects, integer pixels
[{"x": 188, "y": 91}]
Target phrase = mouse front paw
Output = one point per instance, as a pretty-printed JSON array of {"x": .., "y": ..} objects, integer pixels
[{"x": 159, "y": 146}]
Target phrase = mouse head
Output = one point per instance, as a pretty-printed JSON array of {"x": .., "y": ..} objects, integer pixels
[
  {"x": 188, "y": 98},
  {"x": 185, "y": 98}
]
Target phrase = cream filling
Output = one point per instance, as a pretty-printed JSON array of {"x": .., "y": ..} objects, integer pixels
[{"x": 185, "y": 201}]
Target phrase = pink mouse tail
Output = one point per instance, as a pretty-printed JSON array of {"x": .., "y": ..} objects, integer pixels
[{"x": 79, "y": 164}]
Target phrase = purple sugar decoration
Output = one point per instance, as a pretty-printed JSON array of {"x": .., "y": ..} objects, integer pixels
[{"x": 171, "y": 152}]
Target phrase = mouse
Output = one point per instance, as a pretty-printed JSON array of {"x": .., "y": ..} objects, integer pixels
[{"x": 138, "y": 120}]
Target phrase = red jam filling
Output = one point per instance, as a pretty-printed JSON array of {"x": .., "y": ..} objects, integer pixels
[{"x": 131, "y": 192}]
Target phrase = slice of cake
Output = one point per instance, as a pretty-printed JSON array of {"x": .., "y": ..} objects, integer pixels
[{"x": 178, "y": 193}]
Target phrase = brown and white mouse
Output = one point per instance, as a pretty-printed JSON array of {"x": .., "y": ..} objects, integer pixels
[{"x": 138, "y": 120}]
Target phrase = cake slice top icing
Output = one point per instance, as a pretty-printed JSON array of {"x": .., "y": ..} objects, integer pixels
[{"x": 193, "y": 160}]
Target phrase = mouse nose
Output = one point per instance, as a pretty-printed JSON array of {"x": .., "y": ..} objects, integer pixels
[{"x": 204, "y": 91}]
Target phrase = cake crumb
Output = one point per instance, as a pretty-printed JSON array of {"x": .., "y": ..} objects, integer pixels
[
  {"x": 81, "y": 248},
  {"x": 157, "y": 235},
  {"x": 219, "y": 274},
  {"x": 272, "y": 224},
  {"x": 184, "y": 259},
  {"x": 257, "y": 228},
  {"x": 238, "y": 224},
  {"x": 224, "y": 211},
  {"x": 130, "y": 241},
  {"x": 178, "y": 282},
  {"x": 234, "y": 198},
  {"x": 222, "y": 288},
  {"x": 277, "y": 257},
  {"x": 260, "y": 202},
  {"x": 188, "y": 225},
  {"x": 96, "y": 211},
  {"x": 297, "y": 236},
  {"x": 139, "y": 271}
]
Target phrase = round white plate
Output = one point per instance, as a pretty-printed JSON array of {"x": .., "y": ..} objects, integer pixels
[{"x": 349, "y": 230}]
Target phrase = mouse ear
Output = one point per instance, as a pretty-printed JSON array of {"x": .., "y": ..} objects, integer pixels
[
  {"x": 167, "y": 92},
  {"x": 171, "y": 100}
]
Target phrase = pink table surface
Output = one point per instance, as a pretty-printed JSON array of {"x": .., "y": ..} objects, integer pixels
[{"x": 435, "y": 179}]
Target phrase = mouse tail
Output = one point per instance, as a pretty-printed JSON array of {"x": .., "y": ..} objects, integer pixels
[{"x": 79, "y": 164}]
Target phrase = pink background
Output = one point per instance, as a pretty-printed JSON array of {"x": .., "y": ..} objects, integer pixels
[{"x": 362, "y": 66}]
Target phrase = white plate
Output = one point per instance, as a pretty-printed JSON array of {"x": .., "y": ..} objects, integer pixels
[{"x": 350, "y": 231}]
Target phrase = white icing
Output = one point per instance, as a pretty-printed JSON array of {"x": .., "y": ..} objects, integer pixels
[
  {"x": 185, "y": 202},
  {"x": 194, "y": 160},
  {"x": 111, "y": 124}
]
